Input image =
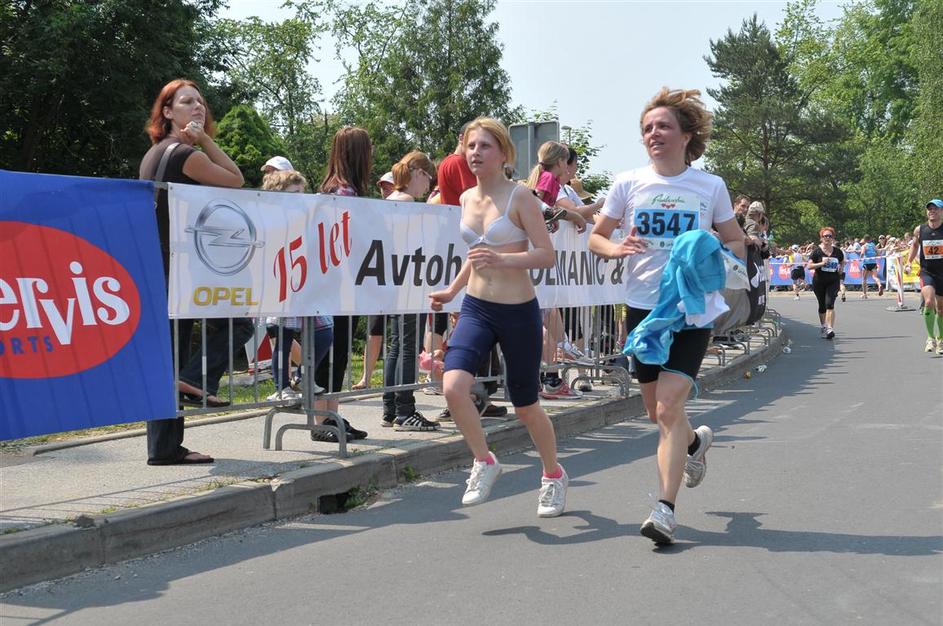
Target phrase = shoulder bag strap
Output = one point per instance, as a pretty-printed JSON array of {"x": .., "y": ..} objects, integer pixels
[{"x": 164, "y": 159}]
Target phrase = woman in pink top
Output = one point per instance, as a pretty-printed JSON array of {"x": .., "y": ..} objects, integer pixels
[{"x": 544, "y": 179}]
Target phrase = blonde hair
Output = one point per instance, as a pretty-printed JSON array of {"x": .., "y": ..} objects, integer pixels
[
  {"x": 692, "y": 115},
  {"x": 548, "y": 155},
  {"x": 498, "y": 131},
  {"x": 403, "y": 170},
  {"x": 280, "y": 180}
]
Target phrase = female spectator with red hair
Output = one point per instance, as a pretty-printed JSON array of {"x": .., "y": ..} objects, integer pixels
[{"x": 179, "y": 121}]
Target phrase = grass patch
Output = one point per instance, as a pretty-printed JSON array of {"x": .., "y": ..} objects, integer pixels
[
  {"x": 410, "y": 474},
  {"x": 359, "y": 496}
]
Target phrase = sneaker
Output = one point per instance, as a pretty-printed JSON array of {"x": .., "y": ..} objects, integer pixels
[
  {"x": 560, "y": 391},
  {"x": 432, "y": 391},
  {"x": 415, "y": 422},
  {"x": 482, "y": 479},
  {"x": 796, "y": 297},
  {"x": 388, "y": 421},
  {"x": 823, "y": 331},
  {"x": 696, "y": 465},
  {"x": 286, "y": 395},
  {"x": 296, "y": 385},
  {"x": 930, "y": 347},
  {"x": 493, "y": 410},
  {"x": 444, "y": 416},
  {"x": 330, "y": 437},
  {"x": 864, "y": 296},
  {"x": 939, "y": 346},
  {"x": 585, "y": 387},
  {"x": 881, "y": 289},
  {"x": 569, "y": 352},
  {"x": 552, "y": 498},
  {"x": 843, "y": 297},
  {"x": 660, "y": 525},
  {"x": 829, "y": 333}
]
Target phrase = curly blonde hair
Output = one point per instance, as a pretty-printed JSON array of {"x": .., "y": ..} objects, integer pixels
[
  {"x": 692, "y": 115},
  {"x": 280, "y": 180}
]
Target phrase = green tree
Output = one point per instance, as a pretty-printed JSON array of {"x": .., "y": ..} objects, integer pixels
[
  {"x": 421, "y": 71},
  {"x": 77, "y": 79},
  {"x": 767, "y": 141},
  {"x": 249, "y": 141},
  {"x": 864, "y": 71},
  {"x": 267, "y": 62},
  {"x": 926, "y": 133},
  {"x": 580, "y": 138},
  {"x": 268, "y": 65}
]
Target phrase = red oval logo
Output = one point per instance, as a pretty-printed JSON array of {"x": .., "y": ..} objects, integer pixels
[{"x": 65, "y": 305}]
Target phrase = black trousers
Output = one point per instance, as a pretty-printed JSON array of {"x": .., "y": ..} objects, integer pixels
[
  {"x": 400, "y": 365},
  {"x": 165, "y": 437}
]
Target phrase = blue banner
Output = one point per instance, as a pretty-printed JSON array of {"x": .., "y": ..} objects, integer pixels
[
  {"x": 84, "y": 336},
  {"x": 781, "y": 270}
]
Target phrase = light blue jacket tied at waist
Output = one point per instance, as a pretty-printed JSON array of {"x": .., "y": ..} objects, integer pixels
[{"x": 689, "y": 290}]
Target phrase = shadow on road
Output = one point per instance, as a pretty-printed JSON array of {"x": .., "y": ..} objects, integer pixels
[{"x": 437, "y": 499}]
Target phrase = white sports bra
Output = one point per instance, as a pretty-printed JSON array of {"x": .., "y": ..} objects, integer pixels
[{"x": 499, "y": 232}]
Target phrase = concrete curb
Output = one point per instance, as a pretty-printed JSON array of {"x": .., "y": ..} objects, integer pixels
[{"x": 54, "y": 551}]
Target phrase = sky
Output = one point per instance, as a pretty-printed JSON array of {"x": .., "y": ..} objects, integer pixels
[{"x": 598, "y": 61}]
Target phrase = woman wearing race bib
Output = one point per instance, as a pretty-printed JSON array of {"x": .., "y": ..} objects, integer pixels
[
  {"x": 657, "y": 203},
  {"x": 503, "y": 226},
  {"x": 869, "y": 266},
  {"x": 827, "y": 260}
]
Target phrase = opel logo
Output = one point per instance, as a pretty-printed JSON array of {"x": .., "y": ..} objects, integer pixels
[{"x": 224, "y": 237}]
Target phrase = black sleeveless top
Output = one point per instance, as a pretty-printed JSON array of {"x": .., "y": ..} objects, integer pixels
[
  {"x": 172, "y": 174},
  {"x": 931, "y": 249}
]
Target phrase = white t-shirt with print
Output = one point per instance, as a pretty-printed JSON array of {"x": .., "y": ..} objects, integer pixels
[{"x": 662, "y": 207}]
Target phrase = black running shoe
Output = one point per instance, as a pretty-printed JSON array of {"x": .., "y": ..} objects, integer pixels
[
  {"x": 329, "y": 437},
  {"x": 493, "y": 410},
  {"x": 415, "y": 422}
]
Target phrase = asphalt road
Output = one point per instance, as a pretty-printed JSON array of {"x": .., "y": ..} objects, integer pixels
[{"x": 823, "y": 504}]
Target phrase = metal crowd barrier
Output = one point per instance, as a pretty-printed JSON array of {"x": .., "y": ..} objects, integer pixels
[
  {"x": 589, "y": 351},
  {"x": 599, "y": 363}
]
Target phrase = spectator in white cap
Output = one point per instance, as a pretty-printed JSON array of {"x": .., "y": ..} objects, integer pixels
[
  {"x": 386, "y": 184},
  {"x": 277, "y": 164}
]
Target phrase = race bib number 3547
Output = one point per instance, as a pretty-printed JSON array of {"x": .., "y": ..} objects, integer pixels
[{"x": 663, "y": 218}]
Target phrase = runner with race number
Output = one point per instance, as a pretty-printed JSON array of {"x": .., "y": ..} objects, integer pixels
[{"x": 656, "y": 204}]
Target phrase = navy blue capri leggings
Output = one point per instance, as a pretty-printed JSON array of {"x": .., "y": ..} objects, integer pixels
[{"x": 517, "y": 328}]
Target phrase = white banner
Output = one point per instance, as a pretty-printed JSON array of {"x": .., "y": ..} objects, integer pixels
[{"x": 246, "y": 253}]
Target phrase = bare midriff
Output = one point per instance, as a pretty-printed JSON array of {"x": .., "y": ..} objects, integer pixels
[{"x": 502, "y": 285}]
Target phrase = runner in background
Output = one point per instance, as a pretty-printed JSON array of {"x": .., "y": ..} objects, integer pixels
[
  {"x": 506, "y": 236},
  {"x": 827, "y": 260},
  {"x": 797, "y": 274},
  {"x": 928, "y": 247},
  {"x": 869, "y": 267}
]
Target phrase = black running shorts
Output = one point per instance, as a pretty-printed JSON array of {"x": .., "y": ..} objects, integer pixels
[{"x": 686, "y": 354}]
